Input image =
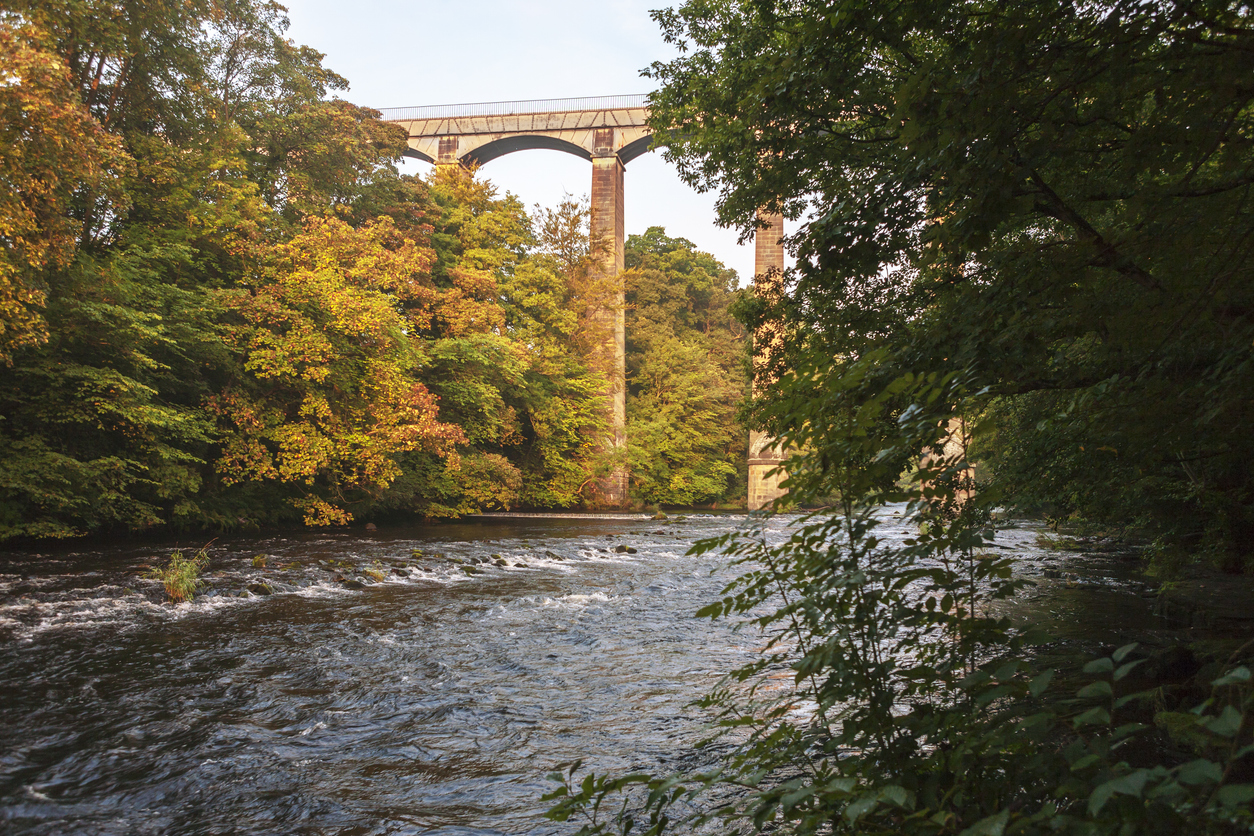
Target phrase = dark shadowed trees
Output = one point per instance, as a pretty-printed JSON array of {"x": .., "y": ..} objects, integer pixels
[{"x": 1054, "y": 196}]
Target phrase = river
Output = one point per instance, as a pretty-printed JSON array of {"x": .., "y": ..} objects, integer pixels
[{"x": 464, "y": 664}]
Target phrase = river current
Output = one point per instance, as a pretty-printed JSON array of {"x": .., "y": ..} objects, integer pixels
[{"x": 419, "y": 679}]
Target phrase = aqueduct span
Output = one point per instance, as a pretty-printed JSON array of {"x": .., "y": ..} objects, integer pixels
[{"x": 610, "y": 132}]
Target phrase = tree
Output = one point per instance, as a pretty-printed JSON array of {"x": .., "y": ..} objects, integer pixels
[
  {"x": 50, "y": 149},
  {"x": 1053, "y": 195},
  {"x": 141, "y": 147},
  {"x": 1032, "y": 213},
  {"x": 686, "y": 373},
  {"x": 332, "y": 402}
]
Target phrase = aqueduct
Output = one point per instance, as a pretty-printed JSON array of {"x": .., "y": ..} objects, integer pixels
[{"x": 610, "y": 132}]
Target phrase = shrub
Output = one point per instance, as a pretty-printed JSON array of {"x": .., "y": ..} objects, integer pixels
[
  {"x": 912, "y": 707},
  {"x": 181, "y": 575}
]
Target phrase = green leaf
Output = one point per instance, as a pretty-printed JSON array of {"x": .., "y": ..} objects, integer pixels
[
  {"x": 1085, "y": 762},
  {"x": 1139, "y": 695},
  {"x": 1095, "y": 690},
  {"x": 1235, "y": 795},
  {"x": 1131, "y": 784},
  {"x": 792, "y": 799},
  {"x": 1099, "y": 666},
  {"x": 1127, "y": 730},
  {"x": 714, "y": 610},
  {"x": 1099, "y": 797},
  {"x": 1226, "y": 724},
  {"x": 857, "y": 809},
  {"x": 899, "y": 796},
  {"x": 1006, "y": 671},
  {"x": 840, "y": 785},
  {"x": 1126, "y": 668},
  {"x": 1040, "y": 682},
  {"x": 994, "y": 825},
  {"x": 1122, "y": 652},
  {"x": 1200, "y": 771},
  {"x": 1092, "y": 717},
  {"x": 1233, "y": 677}
]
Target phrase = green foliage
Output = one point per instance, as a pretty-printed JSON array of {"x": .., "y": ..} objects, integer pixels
[
  {"x": 686, "y": 373},
  {"x": 106, "y": 426},
  {"x": 1055, "y": 195},
  {"x": 223, "y": 305},
  {"x": 891, "y": 696},
  {"x": 1027, "y": 238},
  {"x": 181, "y": 575},
  {"x": 505, "y": 351}
]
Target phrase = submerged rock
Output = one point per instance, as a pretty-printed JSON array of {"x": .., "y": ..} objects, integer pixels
[{"x": 261, "y": 588}]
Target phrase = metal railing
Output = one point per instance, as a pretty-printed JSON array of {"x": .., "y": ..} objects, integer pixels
[{"x": 455, "y": 111}]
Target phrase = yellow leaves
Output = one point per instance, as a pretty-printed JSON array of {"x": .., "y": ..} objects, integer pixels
[
  {"x": 303, "y": 451},
  {"x": 321, "y": 512},
  {"x": 302, "y": 351},
  {"x": 376, "y": 255},
  {"x": 50, "y": 148},
  {"x": 334, "y": 401}
]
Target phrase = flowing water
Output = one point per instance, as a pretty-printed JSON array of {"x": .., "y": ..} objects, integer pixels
[{"x": 410, "y": 680}]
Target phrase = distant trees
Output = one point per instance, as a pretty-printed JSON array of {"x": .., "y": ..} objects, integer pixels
[
  {"x": 686, "y": 372},
  {"x": 221, "y": 304}
]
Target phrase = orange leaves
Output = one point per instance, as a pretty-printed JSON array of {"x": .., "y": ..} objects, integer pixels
[
  {"x": 333, "y": 399},
  {"x": 50, "y": 147},
  {"x": 470, "y": 306}
]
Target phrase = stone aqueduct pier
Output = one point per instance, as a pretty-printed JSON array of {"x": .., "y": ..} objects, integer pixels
[{"x": 610, "y": 132}]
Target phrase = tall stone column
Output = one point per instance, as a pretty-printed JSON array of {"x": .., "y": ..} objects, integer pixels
[
  {"x": 764, "y": 454},
  {"x": 608, "y": 233}
]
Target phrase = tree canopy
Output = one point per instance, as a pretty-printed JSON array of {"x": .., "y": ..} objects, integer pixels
[
  {"x": 686, "y": 370},
  {"x": 223, "y": 305},
  {"x": 1052, "y": 196}
]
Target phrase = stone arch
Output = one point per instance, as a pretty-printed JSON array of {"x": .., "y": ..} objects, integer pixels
[
  {"x": 418, "y": 155},
  {"x": 636, "y": 148},
  {"x": 521, "y": 142}
]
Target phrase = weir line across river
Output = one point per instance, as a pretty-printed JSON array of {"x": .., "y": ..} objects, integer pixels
[{"x": 610, "y": 132}]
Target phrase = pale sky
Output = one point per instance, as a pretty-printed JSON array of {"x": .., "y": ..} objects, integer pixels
[{"x": 401, "y": 54}]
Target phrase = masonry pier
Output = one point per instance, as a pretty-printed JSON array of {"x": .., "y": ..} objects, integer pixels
[
  {"x": 765, "y": 456},
  {"x": 608, "y": 233}
]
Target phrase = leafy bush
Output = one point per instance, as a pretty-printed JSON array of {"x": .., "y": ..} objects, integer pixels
[
  {"x": 181, "y": 575},
  {"x": 910, "y": 705}
]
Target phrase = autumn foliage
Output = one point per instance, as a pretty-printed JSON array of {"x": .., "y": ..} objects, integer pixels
[{"x": 223, "y": 305}]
